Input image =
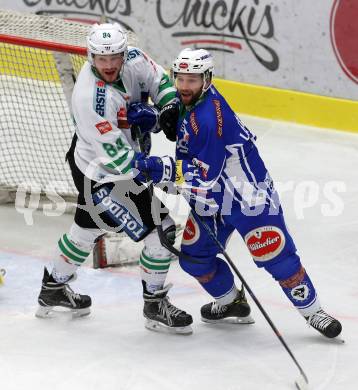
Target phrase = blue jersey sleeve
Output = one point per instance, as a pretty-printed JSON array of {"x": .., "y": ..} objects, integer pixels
[{"x": 200, "y": 169}]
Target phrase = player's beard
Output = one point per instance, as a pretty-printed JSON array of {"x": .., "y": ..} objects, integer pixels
[{"x": 189, "y": 99}]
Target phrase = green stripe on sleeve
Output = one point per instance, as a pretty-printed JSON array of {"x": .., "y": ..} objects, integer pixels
[{"x": 166, "y": 98}]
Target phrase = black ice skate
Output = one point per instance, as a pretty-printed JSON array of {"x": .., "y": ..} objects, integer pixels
[
  {"x": 325, "y": 324},
  {"x": 54, "y": 294},
  {"x": 236, "y": 312},
  {"x": 162, "y": 316}
]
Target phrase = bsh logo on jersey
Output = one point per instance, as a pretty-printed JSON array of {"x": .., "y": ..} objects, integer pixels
[
  {"x": 119, "y": 214},
  {"x": 100, "y": 97}
]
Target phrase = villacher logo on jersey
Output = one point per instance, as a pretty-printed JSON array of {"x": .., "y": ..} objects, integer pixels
[{"x": 265, "y": 243}]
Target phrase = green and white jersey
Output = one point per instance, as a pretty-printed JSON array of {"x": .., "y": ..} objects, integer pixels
[{"x": 105, "y": 146}]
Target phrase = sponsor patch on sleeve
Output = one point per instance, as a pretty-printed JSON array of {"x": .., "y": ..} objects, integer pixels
[
  {"x": 265, "y": 243},
  {"x": 193, "y": 123},
  {"x": 104, "y": 127},
  {"x": 219, "y": 117}
]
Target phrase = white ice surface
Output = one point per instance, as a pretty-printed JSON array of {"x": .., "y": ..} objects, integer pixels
[{"x": 111, "y": 349}]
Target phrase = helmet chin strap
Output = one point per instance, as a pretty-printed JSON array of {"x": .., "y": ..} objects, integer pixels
[
  {"x": 206, "y": 79},
  {"x": 120, "y": 73}
]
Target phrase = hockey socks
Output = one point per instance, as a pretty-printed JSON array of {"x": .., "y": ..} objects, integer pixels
[
  {"x": 300, "y": 291},
  {"x": 220, "y": 283},
  {"x": 73, "y": 250},
  {"x": 153, "y": 270}
]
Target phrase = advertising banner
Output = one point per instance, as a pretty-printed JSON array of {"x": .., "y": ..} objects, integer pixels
[{"x": 308, "y": 46}]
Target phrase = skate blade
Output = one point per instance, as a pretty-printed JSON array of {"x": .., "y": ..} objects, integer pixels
[
  {"x": 231, "y": 320},
  {"x": 49, "y": 312},
  {"x": 157, "y": 326},
  {"x": 335, "y": 340}
]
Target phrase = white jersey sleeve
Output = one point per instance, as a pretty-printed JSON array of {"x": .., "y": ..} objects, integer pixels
[
  {"x": 104, "y": 147},
  {"x": 144, "y": 78}
]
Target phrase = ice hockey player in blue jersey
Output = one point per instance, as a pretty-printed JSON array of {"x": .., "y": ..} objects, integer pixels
[{"x": 220, "y": 172}]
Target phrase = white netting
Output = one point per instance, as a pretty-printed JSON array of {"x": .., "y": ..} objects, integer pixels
[
  {"x": 35, "y": 90},
  {"x": 47, "y": 28},
  {"x": 36, "y": 126},
  {"x": 43, "y": 28}
]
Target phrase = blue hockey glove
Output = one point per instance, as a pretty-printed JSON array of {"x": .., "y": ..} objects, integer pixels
[
  {"x": 158, "y": 169},
  {"x": 144, "y": 116}
]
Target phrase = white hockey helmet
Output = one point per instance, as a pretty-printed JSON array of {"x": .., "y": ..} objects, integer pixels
[
  {"x": 198, "y": 61},
  {"x": 106, "y": 39}
]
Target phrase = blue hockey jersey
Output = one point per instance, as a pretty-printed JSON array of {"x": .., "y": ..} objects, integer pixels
[{"x": 211, "y": 146}]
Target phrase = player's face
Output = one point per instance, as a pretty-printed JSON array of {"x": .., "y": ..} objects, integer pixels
[
  {"x": 109, "y": 66},
  {"x": 190, "y": 87}
]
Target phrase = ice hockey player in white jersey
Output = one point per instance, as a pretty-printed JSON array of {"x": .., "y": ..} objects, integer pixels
[
  {"x": 219, "y": 169},
  {"x": 109, "y": 101}
]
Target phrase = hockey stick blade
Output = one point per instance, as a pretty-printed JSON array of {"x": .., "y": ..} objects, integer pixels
[{"x": 302, "y": 382}]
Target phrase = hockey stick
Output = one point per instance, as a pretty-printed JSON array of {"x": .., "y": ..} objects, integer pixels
[
  {"x": 136, "y": 134},
  {"x": 154, "y": 201},
  {"x": 302, "y": 382}
]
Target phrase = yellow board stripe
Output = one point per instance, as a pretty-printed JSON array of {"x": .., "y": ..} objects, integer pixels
[
  {"x": 28, "y": 62},
  {"x": 291, "y": 106}
]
